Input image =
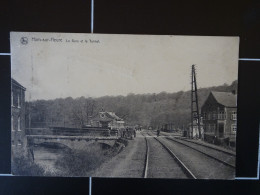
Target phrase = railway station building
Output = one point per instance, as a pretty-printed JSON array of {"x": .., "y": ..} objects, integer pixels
[
  {"x": 18, "y": 139},
  {"x": 107, "y": 120},
  {"x": 219, "y": 114}
]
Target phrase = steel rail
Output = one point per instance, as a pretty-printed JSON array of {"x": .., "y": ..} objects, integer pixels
[
  {"x": 146, "y": 159},
  {"x": 213, "y": 157},
  {"x": 185, "y": 169},
  {"x": 207, "y": 146},
  {"x": 181, "y": 164}
]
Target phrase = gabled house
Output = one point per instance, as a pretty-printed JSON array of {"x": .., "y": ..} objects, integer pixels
[
  {"x": 107, "y": 120},
  {"x": 219, "y": 113}
]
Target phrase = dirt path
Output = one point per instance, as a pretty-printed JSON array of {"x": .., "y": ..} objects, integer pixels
[{"x": 128, "y": 163}]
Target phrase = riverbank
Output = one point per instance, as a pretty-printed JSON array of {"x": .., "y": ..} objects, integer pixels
[{"x": 75, "y": 162}]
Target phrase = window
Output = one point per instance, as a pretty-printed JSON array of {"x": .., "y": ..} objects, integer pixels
[
  {"x": 209, "y": 116},
  {"x": 12, "y": 123},
  {"x": 221, "y": 115},
  {"x": 213, "y": 128},
  {"x": 19, "y": 124},
  {"x": 214, "y": 116},
  {"x": 12, "y": 98},
  {"x": 208, "y": 128},
  {"x": 18, "y": 102},
  {"x": 19, "y": 143},
  {"x": 234, "y": 127},
  {"x": 234, "y": 115}
]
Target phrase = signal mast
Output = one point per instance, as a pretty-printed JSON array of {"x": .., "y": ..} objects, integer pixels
[{"x": 195, "y": 116}]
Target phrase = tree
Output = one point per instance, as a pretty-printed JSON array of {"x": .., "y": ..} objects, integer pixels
[
  {"x": 82, "y": 110},
  {"x": 143, "y": 109}
]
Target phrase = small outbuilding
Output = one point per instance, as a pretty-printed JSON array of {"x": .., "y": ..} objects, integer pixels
[{"x": 194, "y": 133}]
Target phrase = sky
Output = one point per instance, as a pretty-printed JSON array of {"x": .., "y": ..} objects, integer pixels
[{"x": 101, "y": 64}]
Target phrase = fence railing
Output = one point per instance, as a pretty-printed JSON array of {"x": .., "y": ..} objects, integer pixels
[{"x": 65, "y": 131}]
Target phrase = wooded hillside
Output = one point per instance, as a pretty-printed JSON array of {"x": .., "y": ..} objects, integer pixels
[{"x": 143, "y": 109}]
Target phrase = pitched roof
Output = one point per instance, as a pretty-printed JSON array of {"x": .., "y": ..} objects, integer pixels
[
  {"x": 106, "y": 116},
  {"x": 113, "y": 115},
  {"x": 227, "y": 99},
  {"x": 14, "y": 82}
]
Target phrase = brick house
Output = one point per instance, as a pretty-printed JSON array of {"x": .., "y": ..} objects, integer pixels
[
  {"x": 219, "y": 113},
  {"x": 18, "y": 139}
]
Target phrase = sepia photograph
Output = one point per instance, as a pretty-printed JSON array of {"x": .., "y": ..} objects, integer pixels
[{"x": 131, "y": 106}]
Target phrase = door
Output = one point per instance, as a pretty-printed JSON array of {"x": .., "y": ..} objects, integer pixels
[{"x": 221, "y": 130}]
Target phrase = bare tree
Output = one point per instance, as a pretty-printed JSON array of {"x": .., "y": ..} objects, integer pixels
[{"x": 82, "y": 110}]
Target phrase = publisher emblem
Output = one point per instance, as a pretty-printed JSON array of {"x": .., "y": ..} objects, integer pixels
[{"x": 24, "y": 40}]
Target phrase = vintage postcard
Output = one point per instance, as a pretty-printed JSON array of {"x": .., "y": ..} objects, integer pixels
[{"x": 107, "y": 105}]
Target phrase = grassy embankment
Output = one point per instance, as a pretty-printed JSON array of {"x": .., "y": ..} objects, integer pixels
[
  {"x": 85, "y": 162},
  {"x": 23, "y": 164}
]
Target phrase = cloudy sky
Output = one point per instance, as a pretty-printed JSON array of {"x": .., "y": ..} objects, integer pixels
[{"x": 119, "y": 64}]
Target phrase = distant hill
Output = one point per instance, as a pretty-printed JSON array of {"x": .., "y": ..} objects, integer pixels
[{"x": 143, "y": 109}]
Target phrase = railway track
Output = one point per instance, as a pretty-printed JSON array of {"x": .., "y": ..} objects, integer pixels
[
  {"x": 205, "y": 152},
  {"x": 209, "y": 151},
  {"x": 231, "y": 153},
  {"x": 181, "y": 165}
]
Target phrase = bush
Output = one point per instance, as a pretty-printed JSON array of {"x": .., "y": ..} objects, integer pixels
[
  {"x": 82, "y": 162},
  {"x": 25, "y": 166}
]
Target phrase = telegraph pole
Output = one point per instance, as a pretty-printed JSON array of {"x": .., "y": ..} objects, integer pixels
[{"x": 195, "y": 116}]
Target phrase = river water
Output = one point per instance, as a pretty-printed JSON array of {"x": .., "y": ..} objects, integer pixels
[{"x": 46, "y": 158}]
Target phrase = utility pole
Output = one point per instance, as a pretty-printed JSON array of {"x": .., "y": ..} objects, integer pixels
[{"x": 195, "y": 116}]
